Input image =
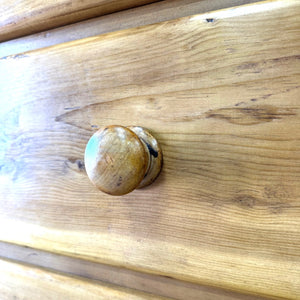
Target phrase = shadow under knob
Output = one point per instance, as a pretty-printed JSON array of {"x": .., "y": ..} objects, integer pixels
[{"x": 120, "y": 159}]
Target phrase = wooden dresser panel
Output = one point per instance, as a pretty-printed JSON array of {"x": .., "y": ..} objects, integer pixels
[
  {"x": 164, "y": 286},
  {"x": 220, "y": 91},
  {"x": 139, "y": 16},
  {"x": 19, "y": 18},
  {"x": 24, "y": 282}
]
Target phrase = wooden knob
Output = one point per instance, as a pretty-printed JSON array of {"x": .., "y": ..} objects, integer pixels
[{"x": 120, "y": 159}]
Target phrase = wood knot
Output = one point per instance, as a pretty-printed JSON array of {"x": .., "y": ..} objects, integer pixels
[
  {"x": 75, "y": 164},
  {"x": 245, "y": 200},
  {"x": 250, "y": 115}
]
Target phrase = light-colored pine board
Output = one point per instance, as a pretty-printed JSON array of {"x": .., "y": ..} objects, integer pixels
[
  {"x": 220, "y": 92},
  {"x": 139, "y": 16},
  {"x": 19, "y": 18},
  {"x": 24, "y": 282},
  {"x": 153, "y": 284}
]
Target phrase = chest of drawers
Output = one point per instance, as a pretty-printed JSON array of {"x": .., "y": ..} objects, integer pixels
[{"x": 220, "y": 92}]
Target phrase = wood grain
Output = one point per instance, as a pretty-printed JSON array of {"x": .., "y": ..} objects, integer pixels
[
  {"x": 142, "y": 15},
  {"x": 158, "y": 285},
  {"x": 26, "y": 282},
  {"x": 220, "y": 91},
  {"x": 19, "y": 18}
]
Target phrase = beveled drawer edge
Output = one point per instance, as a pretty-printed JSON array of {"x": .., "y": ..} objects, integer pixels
[
  {"x": 148, "y": 14},
  {"x": 154, "y": 284}
]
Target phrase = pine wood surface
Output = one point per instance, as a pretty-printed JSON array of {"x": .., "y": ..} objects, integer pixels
[
  {"x": 19, "y": 18},
  {"x": 158, "y": 285},
  {"x": 220, "y": 92},
  {"x": 138, "y": 16},
  {"x": 26, "y": 282}
]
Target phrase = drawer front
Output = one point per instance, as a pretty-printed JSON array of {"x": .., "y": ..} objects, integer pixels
[
  {"x": 24, "y": 282},
  {"x": 220, "y": 92},
  {"x": 31, "y": 16}
]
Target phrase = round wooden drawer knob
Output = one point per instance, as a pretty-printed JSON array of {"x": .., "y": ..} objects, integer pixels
[{"x": 120, "y": 159}]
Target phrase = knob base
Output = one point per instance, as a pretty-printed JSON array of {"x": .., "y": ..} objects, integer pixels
[{"x": 155, "y": 154}]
